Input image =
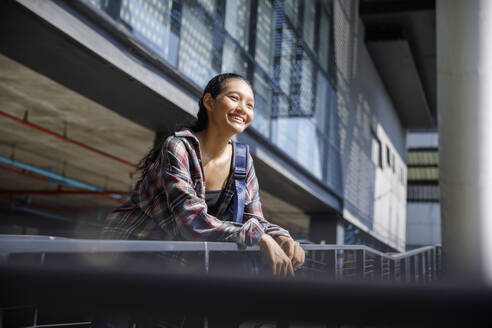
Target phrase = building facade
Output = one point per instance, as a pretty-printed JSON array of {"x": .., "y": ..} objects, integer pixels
[{"x": 423, "y": 207}]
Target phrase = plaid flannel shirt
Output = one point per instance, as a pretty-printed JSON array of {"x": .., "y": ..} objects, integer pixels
[{"x": 169, "y": 202}]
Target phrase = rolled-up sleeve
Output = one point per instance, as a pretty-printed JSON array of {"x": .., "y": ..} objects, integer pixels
[
  {"x": 253, "y": 210},
  {"x": 190, "y": 211}
]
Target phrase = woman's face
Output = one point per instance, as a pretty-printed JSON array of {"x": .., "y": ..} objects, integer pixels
[{"x": 232, "y": 110}]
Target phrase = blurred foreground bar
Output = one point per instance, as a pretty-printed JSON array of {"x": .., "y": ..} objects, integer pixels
[{"x": 80, "y": 291}]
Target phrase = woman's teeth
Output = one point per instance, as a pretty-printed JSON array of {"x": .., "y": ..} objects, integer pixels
[{"x": 236, "y": 119}]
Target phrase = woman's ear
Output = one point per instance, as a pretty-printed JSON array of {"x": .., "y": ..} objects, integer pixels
[{"x": 208, "y": 102}]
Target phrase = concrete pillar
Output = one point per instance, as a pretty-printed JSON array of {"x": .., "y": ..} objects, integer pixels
[
  {"x": 464, "y": 97},
  {"x": 326, "y": 227}
]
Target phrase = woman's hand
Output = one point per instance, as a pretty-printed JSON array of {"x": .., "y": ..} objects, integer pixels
[
  {"x": 293, "y": 250},
  {"x": 281, "y": 264}
]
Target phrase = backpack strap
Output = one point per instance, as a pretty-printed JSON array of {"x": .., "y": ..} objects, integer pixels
[{"x": 240, "y": 167}]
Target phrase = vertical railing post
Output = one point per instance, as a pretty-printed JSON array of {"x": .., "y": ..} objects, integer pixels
[
  {"x": 404, "y": 268},
  {"x": 378, "y": 267},
  {"x": 428, "y": 269},
  {"x": 316, "y": 261},
  {"x": 429, "y": 265},
  {"x": 322, "y": 257},
  {"x": 439, "y": 261},
  {"x": 360, "y": 264},
  {"x": 432, "y": 274},
  {"x": 421, "y": 268},
  {"x": 311, "y": 256},
  {"x": 392, "y": 269},
  {"x": 434, "y": 263},
  {"x": 412, "y": 271},
  {"x": 331, "y": 262},
  {"x": 340, "y": 263},
  {"x": 206, "y": 257},
  {"x": 335, "y": 262},
  {"x": 425, "y": 265},
  {"x": 399, "y": 270}
]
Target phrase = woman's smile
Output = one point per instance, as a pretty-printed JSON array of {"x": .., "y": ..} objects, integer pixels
[{"x": 236, "y": 118}]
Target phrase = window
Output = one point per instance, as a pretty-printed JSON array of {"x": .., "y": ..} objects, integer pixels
[
  {"x": 237, "y": 20},
  {"x": 264, "y": 36},
  {"x": 208, "y": 5},
  {"x": 322, "y": 111},
  {"x": 324, "y": 40},
  {"x": 196, "y": 50},
  {"x": 233, "y": 58},
  {"x": 308, "y": 25},
  {"x": 306, "y": 80},
  {"x": 388, "y": 156},
  {"x": 263, "y": 104},
  {"x": 149, "y": 21},
  {"x": 291, "y": 9},
  {"x": 376, "y": 151},
  {"x": 286, "y": 59}
]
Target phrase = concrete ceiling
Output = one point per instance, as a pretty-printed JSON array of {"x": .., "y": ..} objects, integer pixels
[
  {"x": 54, "y": 107},
  {"x": 400, "y": 36},
  {"x": 58, "y": 109}
]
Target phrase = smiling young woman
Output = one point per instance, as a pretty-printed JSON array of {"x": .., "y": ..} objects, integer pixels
[{"x": 187, "y": 186}]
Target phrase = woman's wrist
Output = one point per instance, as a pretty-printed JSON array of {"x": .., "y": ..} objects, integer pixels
[
  {"x": 264, "y": 240},
  {"x": 281, "y": 238}
]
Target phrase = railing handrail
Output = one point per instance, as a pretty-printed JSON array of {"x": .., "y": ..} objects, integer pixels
[
  {"x": 414, "y": 252},
  {"x": 11, "y": 244}
]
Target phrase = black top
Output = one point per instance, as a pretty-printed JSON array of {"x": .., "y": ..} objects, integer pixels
[{"x": 212, "y": 199}]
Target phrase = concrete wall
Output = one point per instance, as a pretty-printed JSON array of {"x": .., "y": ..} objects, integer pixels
[
  {"x": 423, "y": 224},
  {"x": 374, "y": 197}
]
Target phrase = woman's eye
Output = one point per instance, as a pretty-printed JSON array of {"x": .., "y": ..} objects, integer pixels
[{"x": 235, "y": 98}]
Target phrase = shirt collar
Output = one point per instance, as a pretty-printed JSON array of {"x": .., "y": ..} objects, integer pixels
[{"x": 185, "y": 132}]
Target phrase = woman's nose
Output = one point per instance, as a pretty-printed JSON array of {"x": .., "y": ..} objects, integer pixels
[{"x": 241, "y": 107}]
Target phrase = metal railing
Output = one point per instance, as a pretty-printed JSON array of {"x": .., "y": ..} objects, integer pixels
[
  {"x": 339, "y": 262},
  {"x": 323, "y": 262}
]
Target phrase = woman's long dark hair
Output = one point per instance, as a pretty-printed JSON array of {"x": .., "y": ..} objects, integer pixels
[{"x": 215, "y": 86}]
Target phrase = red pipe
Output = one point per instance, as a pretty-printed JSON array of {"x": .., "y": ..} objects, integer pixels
[
  {"x": 43, "y": 179},
  {"x": 66, "y": 139},
  {"x": 61, "y": 192}
]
